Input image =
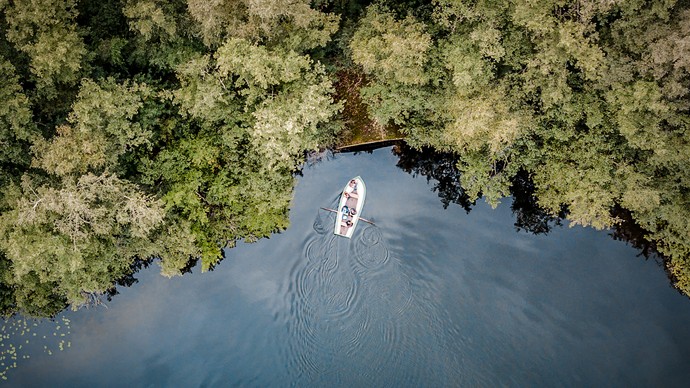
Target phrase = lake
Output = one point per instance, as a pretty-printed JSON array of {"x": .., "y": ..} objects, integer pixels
[{"x": 430, "y": 296}]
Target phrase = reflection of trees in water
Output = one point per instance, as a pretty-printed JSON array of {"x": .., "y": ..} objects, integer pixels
[
  {"x": 129, "y": 279},
  {"x": 441, "y": 168},
  {"x": 529, "y": 216},
  {"x": 441, "y": 171},
  {"x": 42, "y": 302},
  {"x": 629, "y": 231}
]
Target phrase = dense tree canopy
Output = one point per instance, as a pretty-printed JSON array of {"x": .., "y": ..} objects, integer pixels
[
  {"x": 590, "y": 98},
  {"x": 169, "y": 129},
  {"x": 149, "y": 128}
]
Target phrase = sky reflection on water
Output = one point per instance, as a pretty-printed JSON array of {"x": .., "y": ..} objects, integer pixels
[{"x": 431, "y": 296}]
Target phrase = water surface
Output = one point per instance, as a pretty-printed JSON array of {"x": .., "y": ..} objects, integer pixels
[{"x": 430, "y": 296}]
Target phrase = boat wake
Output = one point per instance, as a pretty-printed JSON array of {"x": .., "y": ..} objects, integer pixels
[{"x": 344, "y": 296}]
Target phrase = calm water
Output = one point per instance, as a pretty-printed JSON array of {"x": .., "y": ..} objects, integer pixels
[{"x": 429, "y": 297}]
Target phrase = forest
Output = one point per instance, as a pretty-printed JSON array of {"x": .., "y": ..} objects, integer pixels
[{"x": 168, "y": 130}]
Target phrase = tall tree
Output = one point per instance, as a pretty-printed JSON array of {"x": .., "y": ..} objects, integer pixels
[
  {"x": 254, "y": 111},
  {"x": 294, "y": 25},
  {"x": 16, "y": 125},
  {"x": 47, "y": 32}
]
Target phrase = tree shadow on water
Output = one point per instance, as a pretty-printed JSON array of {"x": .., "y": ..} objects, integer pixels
[
  {"x": 529, "y": 216},
  {"x": 437, "y": 167},
  {"x": 440, "y": 170}
]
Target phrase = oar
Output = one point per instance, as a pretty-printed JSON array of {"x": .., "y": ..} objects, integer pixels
[{"x": 335, "y": 211}]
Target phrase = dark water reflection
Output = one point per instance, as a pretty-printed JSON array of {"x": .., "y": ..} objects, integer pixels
[{"x": 433, "y": 295}]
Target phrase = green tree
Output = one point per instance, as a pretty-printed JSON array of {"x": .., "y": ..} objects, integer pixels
[
  {"x": 47, "y": 32},
  {"x": 590, "y": 98},
  {"x": 79, "y": 236},
  {"x": 74, "y": 226},
  {"x": 253, "y": 111},
  {"x": 171, "y": 128},
  {"x": 395, "y": 53},
  {"x": 16, "y": 125},
  {"x": 294, "y": 25},
  {"x": 100, "y": 129}
]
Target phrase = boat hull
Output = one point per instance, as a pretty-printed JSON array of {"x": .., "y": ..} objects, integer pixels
[{"x": 347, "y": 202}]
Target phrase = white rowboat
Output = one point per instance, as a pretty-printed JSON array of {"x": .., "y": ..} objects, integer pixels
[{"x": 350, "y": 207}]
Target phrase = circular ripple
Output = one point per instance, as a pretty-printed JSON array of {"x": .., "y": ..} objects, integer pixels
[
  {"x": 321, "y": 223},
  {"x": 313, "y": 250},
  {"x": 326, "y": 287},
  {"x": 318, "y": 250},
  {"x": 370, "y": 252},
  {"x": 337, "y": 298},
  {"x": 370, "y": 236},
  {"x": 356, "y": 330},
  {"x": 325, "y": 327},
  {"x": 329, "y": 321}
]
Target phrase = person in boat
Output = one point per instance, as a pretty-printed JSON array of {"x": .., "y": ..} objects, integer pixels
[
  {"x": 346, "y": 221},
  {"x": 351, "y": 189},
  {"x": 348, "y": 211}
]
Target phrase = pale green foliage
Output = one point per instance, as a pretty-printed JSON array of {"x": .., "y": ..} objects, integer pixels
[
  {"x": 164, "y": 34},
  {"x": 257, "y": 66},
  {"x": 579, "y": 175},
  {"x": 148, "y": 18},
  {"x": 480, "y": 176},
  {"x": 485, "y": 117},
  {"x": 394, "y": 53},
  {"x": 488, "y": 39},
  {"x": 289, "y": 23},
  {"x": 218, "y": 17},
  {"x": 481, "y": 120},
  {"x": 396, "y": 103},
  {"x": 28, "y": 18},
  {"x": 94, "y": 205},
  {"x": 453, "y": 15},
  {"x": 647, "y": 83},
  {"x": 81, "y": 234},
  {"x": 294, "y": 23},
  {"x": 547, "y": 72},
  {"x": 638, "y": 194},
  {"x": 46, "y": 31},
  {"x": 640, "y": 111},
  {"x": 590, "y": 98},
  {"x": 56, "y": 56},
  {"x": 528, "y": 86},
  {"x": 391, "y": 49},
  {"x": 470, "y": 72},
  {"x": 288, "y": 124},
  {"x": 466, "y": 59},
  {"x": 258, "y": 109},
  {"x": 70, "y": 151},
  {"x": 81, "y": 231},
  {"x": 101, "y": 128},
  {"x": 288, "y": 94},
  {"x": 175, "y": 244},
  {"x": 669, "y": 53},
  {"x": 599, "y": 91},
  {"x": 286, "y": 121},
  {"x": 201, "y": 95}
]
